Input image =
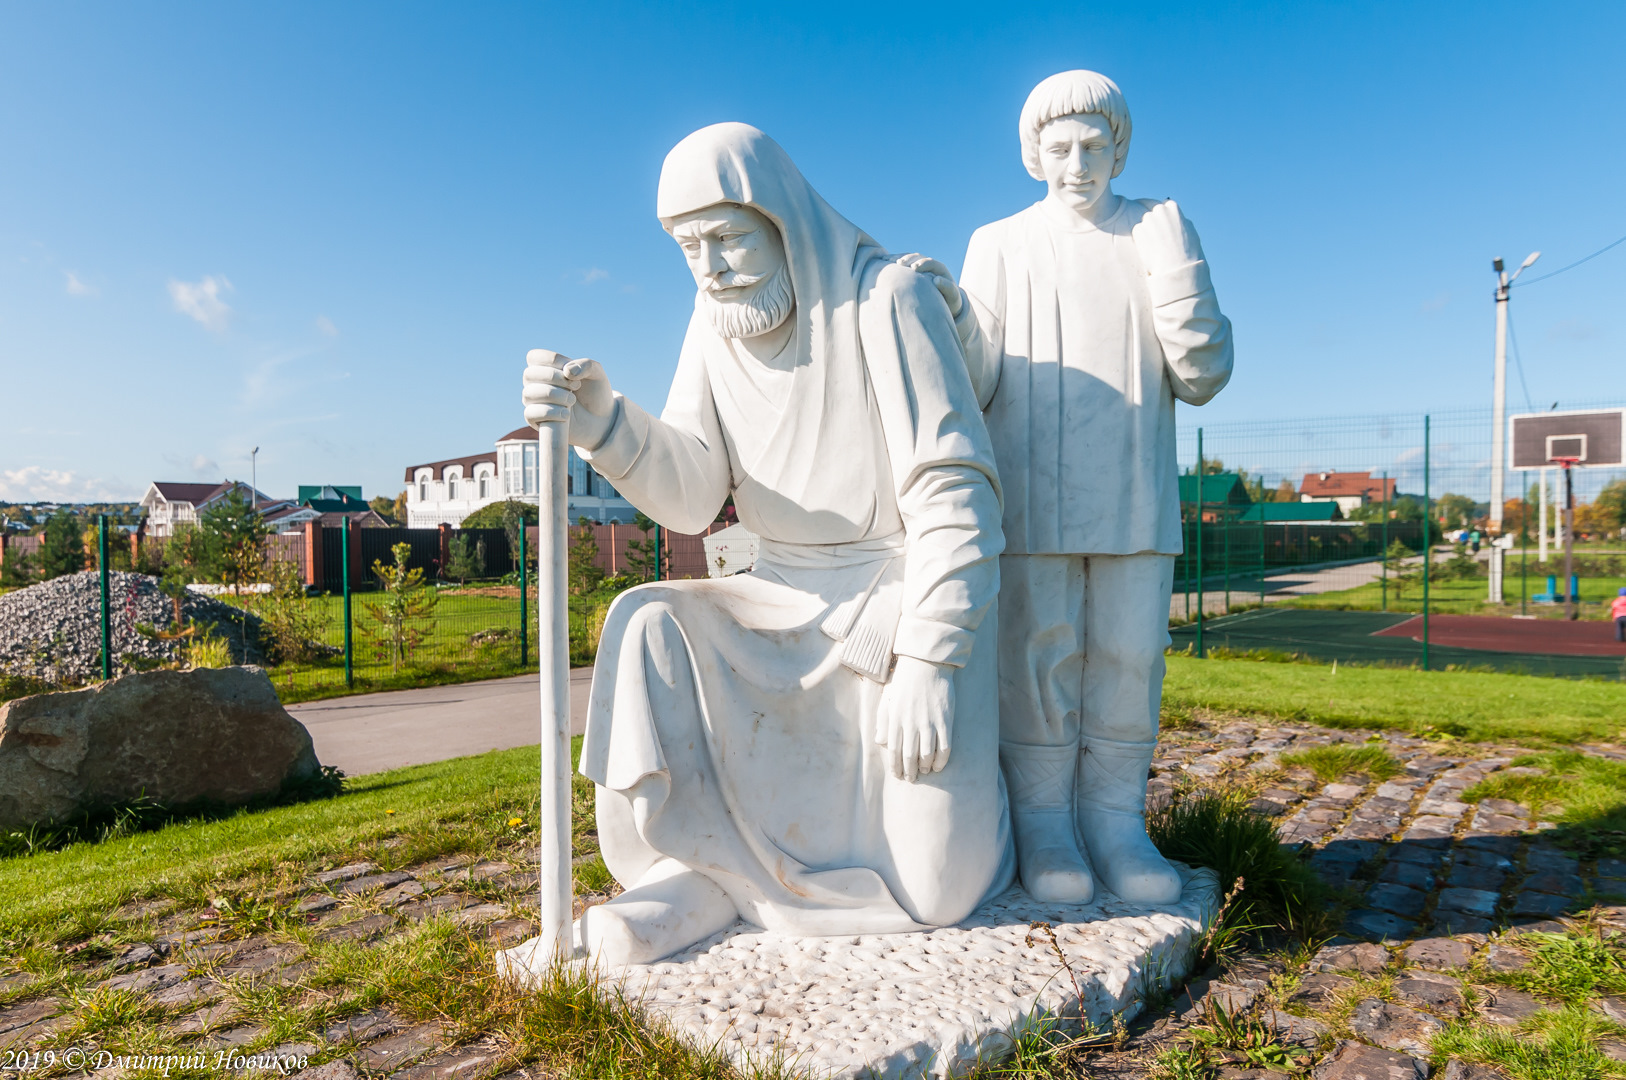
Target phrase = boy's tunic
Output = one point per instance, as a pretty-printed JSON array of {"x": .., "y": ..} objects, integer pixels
[{"x": 1095, "y": 352}]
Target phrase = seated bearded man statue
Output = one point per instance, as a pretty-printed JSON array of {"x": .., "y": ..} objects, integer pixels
[{"x": 811, "y": 746}]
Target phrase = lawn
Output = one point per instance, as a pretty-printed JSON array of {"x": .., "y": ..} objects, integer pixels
[
  {"x": 1479, "y": 706},
  {"x": 474, "y": 633},
  {"x": 464, "y": 805},
  {"x": 60, "y": 910},
  {"x": 1468, "y": 595}
]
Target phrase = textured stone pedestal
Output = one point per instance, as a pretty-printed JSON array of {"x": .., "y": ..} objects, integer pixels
[{"x": 914, "y": 1005}]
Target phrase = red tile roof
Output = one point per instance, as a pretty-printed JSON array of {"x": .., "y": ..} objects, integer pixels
[{"x": 1328, "y": 485}]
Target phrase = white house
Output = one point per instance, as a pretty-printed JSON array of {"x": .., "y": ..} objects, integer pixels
[
  {"x": 449, "y": 491},
  {"x": 167, "y": 504}
]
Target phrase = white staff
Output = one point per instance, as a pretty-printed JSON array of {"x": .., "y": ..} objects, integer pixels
[{"x": 552, "y": 423}]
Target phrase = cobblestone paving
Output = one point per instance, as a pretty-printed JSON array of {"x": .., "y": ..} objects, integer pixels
[
  {"x": 1444, "y": 888},
  {"x": 1432, "y": 864}
]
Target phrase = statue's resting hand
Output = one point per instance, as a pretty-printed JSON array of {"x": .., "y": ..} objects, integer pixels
[
  {"x": 557, "y": 388},
  {"x": 916, "y": 717},
  {"x": 941, "y": 279}
]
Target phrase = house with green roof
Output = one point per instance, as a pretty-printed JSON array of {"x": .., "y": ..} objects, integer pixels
[
  {"x": 1223, "y": 494},
  {"x": 1293, "y": 513}
]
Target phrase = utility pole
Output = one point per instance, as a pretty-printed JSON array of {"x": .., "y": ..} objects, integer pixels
[
  {"x": 1504, "y": 284},
  {"x": 254, "y": 478}
]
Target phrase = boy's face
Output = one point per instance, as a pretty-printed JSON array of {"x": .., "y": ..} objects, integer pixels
[{"x": 1077, "y": 155}]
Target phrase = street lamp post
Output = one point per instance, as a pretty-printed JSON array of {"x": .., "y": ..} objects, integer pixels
[
  {"x": 254, "y": 478},
  {"x": 1504, "y": 284}
]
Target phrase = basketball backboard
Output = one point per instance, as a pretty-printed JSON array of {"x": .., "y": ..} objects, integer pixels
[{"x": 1587, "y": 438}]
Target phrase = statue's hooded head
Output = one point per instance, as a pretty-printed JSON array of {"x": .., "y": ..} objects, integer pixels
[{"x": 760, "y": 241}]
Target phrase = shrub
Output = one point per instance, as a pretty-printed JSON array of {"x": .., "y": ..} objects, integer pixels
[
  {"x": 584, "y": 572},
  {"x": 206, "y": 650},
  {"x": 62, "y": 550},
  {"x": 1220, "y": 832},
  {"x": 405, "y": 598},
  {"x": 294, "y": 624},
  {"x": 465, "y": 558}
]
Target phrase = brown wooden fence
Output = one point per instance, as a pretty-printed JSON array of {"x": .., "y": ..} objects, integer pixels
[
  {"x": 683, "y": 555},
  {"x": 18, "y": 547}
]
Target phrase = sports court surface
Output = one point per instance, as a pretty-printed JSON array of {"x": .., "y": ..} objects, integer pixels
[{"x": 1529, "y": 646}]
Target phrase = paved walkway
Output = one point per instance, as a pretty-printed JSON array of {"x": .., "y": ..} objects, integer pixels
[{"x": 368, "y": 733}]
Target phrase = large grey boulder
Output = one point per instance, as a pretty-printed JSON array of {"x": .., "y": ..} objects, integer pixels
[{"x": 178, "y": 737}]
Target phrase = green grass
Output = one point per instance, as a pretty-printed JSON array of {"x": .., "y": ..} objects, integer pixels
[
  {"x": 1553, "y": 1045},
  {"x": 1574, "y": 967},
  {"x": 473, "y": 634},
  {"x": 1473, "y": 705},
  {"x": 1278, "y": 891},
  {"x": 1584, "y": 795},
  {"x": 1329, "y": 763},
  {"x": 395, "y": 818},
  {"x": 1466, "y": 596},
  {"x": 60, "y": 909}
]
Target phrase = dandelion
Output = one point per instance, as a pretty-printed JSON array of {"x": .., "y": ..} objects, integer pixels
[
  {"x": 515, "y": 821},
  {"x": 389, "y": 811}
]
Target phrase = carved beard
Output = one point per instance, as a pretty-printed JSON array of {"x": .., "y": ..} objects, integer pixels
[{"x": 762, "y": 310}]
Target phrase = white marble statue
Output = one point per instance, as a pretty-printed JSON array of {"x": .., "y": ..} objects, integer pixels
[
  {"x": 810, "y": 746},
  {"x": 1100, "y": 314}
]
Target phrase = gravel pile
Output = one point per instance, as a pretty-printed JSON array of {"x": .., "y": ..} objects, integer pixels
[{"x": 53, "y": 631}]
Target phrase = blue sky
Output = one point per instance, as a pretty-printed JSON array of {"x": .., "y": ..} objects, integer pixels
[{"x": 332, "y": 231}]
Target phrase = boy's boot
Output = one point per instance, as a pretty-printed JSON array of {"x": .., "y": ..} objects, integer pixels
[
  {"x": 1040, "y": 781},
  {"x": 1112, "y": 820}
]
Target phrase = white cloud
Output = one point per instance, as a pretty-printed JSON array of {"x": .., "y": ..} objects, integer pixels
[
  {"x": 204, "y": 466},
  {"x": 325, "y": 325},
  {"x": 1436, "y": 302},
  {"x": 76, "y": 287},
  {"x": 36, "y": 483},
  {"x": 201, "y": 301}
]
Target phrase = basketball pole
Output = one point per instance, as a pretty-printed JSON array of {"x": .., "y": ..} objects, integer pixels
[
  {"x": 1571, "y": 611},
  {"x": 1541, "y": 545}
]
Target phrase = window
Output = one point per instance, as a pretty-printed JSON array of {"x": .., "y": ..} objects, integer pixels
[
  {"x": 423, "y": 491},
  {"x": 530, "y": 468},
  {"x": 485, "y": 485},
  {"x": 513, "y": 475}
]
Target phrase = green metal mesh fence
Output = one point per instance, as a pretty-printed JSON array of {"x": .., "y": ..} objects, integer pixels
[{"x": 1328, "y": 514}]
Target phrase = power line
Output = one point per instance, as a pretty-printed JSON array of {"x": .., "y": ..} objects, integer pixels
[
  {"x": 1518, "y": 364},
  {"x": 1571, "y": 266}
]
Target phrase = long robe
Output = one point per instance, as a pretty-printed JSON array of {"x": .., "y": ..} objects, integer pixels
[
  {"x": 1095, "y": 351},
  {"x": 732, "y": 721}
]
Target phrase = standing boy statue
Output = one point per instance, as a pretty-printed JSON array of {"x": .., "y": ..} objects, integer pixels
[{"x": 1099, "y": 313}]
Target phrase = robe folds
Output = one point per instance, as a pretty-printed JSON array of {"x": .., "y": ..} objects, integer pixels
[
  {"x": 1093, "y": 352},
  {"x": 732, "y": 721}
]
